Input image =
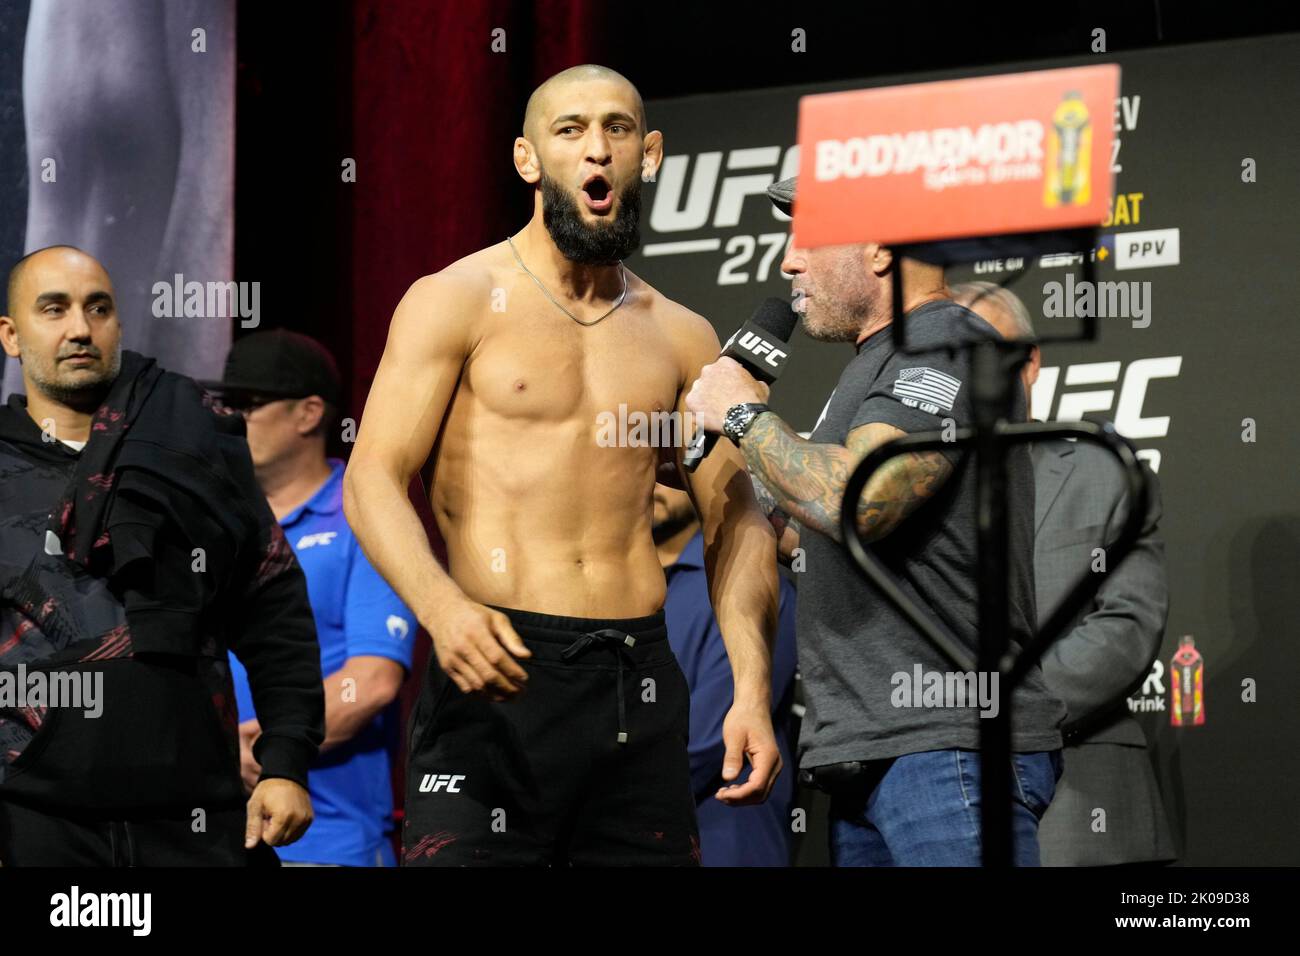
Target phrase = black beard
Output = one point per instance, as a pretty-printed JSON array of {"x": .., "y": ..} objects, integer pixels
[
  {"x": 86, "y": 397},
  {"x": 598, "y": 245}
]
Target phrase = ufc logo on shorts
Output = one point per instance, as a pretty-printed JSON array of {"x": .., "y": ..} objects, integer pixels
[{"x": 447, "y": 782}]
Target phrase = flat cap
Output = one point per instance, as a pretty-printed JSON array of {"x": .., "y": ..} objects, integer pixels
[{"x": 782, "y": 195}]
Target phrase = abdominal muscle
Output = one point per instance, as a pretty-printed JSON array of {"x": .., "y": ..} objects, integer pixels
[{"x": 538, "y": 518}]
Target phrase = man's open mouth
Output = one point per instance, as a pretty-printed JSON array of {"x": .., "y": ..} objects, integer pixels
[{"x": 598, "y": 194}]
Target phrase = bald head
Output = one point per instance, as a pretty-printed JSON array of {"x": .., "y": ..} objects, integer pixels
[
  {"x": 547, "y": 101},
  {"x": 1002, "y": 309},
  {"x": 44, "y": 256},
  {"x": 998, "y": 306},
  {"x": 62, "y": 326}
]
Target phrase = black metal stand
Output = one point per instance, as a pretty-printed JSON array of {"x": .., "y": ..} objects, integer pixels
[{"x": 995, "y": 368}]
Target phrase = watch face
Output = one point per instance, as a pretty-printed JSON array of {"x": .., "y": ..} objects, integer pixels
[
  {"x": 730, "y": 421},
  {"x": 737, "y": 420}
]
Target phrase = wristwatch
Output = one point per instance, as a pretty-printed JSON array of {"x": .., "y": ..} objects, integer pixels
[{"x": 739, "y": 417}]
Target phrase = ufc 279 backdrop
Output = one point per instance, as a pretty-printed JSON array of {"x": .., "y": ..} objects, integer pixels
[{"x": 1198, "y": 293}]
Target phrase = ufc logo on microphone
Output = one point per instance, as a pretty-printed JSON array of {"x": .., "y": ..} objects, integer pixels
[
  {"x": 433, "y": 782},
  {"x": 757, "y": 346}
]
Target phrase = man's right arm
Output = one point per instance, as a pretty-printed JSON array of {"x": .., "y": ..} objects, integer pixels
[
  {"x": 786, "y": 528},
  {"x": 428, "y": 343}
]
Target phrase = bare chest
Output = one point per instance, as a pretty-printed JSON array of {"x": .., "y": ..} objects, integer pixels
[{"x": 535, "y": 363}]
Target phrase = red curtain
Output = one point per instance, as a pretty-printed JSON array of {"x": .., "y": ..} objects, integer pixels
[
  {"x": 434, "y": 115},
  {"x": 435, "y": 112}
]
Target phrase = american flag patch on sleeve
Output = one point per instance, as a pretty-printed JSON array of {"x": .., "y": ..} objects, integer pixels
[{"x": 927, "y": 389}]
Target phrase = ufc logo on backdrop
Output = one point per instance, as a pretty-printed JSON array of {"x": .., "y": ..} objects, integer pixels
[
  {"x": 447, "y": 782},
  {"x": 1126, "y": 406},
  {"x": 694, "y": 194},
  {"x": 684, "y": 198}
]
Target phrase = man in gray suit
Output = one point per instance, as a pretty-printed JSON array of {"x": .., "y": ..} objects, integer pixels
[{"x": 1107, "y": 809}]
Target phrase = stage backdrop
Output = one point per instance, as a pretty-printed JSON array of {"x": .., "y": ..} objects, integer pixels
[
  {"x": 1199, "y": 373},
  {"x": 117, "y": 126}
]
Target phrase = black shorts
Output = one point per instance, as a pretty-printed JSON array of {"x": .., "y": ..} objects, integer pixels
[{"x": 566, "y": 774}]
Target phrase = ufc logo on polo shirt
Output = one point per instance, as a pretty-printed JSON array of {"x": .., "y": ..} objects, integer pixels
[
  {"x": 320, "y": 537},
  {"x": 433, "y": 782}
]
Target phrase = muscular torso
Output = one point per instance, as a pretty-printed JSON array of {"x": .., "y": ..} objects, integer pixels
[{"x": 536, "y": 513}]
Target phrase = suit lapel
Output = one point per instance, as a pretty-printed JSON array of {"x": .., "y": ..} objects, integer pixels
[{"x": 1052, "y": 466}]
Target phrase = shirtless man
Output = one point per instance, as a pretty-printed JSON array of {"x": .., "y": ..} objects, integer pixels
[{"x": 501, "y": 365}]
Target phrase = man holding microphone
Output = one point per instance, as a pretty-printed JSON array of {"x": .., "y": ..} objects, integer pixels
[{"x": 904, "y": 775}]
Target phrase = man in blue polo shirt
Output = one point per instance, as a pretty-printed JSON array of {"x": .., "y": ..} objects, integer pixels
[
  {"x": 288, "y": 388},
  {"x": 759, "y": 835}
]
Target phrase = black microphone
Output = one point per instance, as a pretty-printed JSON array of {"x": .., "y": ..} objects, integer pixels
[{"x": 761, "y": 345}]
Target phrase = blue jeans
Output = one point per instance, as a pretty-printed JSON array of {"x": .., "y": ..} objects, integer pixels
[{"x": 923, "y": 809}]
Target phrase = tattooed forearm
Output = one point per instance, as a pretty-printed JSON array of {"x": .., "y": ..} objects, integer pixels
[
  {"x": 897, "y": 488},
  {"x": 807, "y": 480}
]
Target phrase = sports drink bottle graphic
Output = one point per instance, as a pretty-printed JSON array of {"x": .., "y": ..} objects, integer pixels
[
  {"x": 1069, "y": 155},
  {"x": 1188, "y": 686}
]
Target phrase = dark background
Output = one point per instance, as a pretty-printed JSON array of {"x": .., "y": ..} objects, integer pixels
[
  {"x": 411, "y": 89},
  {"x": 413, "y": 92},
  {"x": 1223, "y": 315}
]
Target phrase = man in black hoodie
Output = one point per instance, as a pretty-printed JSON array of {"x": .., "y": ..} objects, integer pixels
[{"x": 135, "y": 549}]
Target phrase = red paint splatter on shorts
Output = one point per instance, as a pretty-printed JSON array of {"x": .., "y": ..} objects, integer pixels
[{"x": 429, "y": 845}]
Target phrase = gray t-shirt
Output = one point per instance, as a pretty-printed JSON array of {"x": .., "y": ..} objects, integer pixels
[{"x": 872, "y": 681}]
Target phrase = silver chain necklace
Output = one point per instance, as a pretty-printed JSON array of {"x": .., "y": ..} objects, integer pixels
[{"x": 621, "y": 297}]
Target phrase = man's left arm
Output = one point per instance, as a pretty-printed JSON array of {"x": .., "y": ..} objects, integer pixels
[
  {"x": 273, "y": 634},
  {"x": 1109, "y": 652},
  {"x": 356, "y": 693},
  {"x": 380, "y": 633},
  {"x": 741, "y": 563}
]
